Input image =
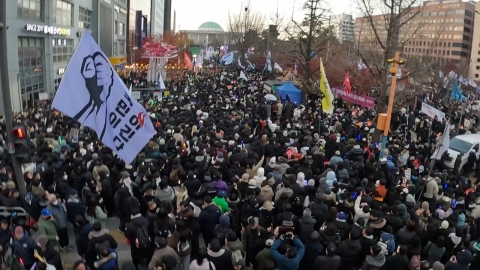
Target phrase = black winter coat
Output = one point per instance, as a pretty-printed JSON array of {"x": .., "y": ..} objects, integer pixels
[
  {"x": 133, "y": 226},
  {"x": 349, "y": 251},
  {"x": 122, "y": 208}
]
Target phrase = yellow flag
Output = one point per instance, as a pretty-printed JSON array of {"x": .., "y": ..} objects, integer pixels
[{"x": 327, "y": 101}]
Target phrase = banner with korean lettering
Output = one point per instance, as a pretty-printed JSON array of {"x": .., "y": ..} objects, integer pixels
[
  {"x": 364, "y": 101},
  {"x": 431, "y": 112},
  {"x": 92, "y": 93}
]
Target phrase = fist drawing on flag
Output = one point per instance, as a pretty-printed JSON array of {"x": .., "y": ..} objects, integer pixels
[{"x": 98, "y": 75}]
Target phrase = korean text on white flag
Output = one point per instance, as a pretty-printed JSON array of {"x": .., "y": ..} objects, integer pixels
[{"x": 92, "y": 93}]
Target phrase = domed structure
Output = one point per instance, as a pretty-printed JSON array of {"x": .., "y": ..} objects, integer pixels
[{"x": 210, "y": 26}]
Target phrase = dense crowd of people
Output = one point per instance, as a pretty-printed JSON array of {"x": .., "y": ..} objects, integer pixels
[{"x": 234, "y": 181}]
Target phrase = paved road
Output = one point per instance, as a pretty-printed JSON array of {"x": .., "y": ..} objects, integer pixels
[{"x": 69, "y": 258}]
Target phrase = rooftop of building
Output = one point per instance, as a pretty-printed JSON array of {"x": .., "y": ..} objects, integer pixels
[{"x": 210, "y": 26}]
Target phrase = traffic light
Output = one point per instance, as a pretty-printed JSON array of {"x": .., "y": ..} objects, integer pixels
[{"x": 21, "y": 144}]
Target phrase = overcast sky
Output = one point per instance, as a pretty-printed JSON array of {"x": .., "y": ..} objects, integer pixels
[{"x": 191, "y": 14}]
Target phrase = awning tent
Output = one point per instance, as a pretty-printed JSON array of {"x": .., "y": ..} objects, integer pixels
[{"x": 291, "y": 90}]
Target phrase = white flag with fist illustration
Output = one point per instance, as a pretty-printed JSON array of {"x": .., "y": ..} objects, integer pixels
[{"x": 92, "y": 93}]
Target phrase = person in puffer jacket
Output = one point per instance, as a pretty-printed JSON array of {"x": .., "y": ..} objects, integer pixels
[
  {"x": 220, "y": 201},
  {"x": 164, "y": 192},
  {"x": 220, "y": 185},
  {"x": 331, "y": 179},
  {"x": 301, "y": 179},
  {"x": 260, "y": 177},
  {"x": 389, "y": 240},
  {"x": 374, "y": 261}
]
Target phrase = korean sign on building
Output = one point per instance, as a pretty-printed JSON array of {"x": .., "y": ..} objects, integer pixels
[{"x": 46, "y": 29}]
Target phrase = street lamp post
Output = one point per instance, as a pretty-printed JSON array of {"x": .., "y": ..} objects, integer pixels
[{"x": 396, "y": 62}]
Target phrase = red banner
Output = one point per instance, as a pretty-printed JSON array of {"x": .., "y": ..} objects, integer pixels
[{"x": 187, "y": 60}]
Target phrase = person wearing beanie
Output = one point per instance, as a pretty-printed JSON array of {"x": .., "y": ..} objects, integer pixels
[
  {"x": 342, "y": 225},
  {"x": 162, "y": 250},
  {"x": 220, "y": 257},
  {"x": 264, "y": 256},
  {"x": 234, "y": 245},
  {"x": 24, "y": 247},
  {"x": 220, "y": 201}
]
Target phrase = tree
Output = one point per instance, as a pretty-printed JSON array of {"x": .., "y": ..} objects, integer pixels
[
  {"x": 309, "y": 38},
  {"x": 388, "y": 33},
  {"x": 245, "y": 28}
]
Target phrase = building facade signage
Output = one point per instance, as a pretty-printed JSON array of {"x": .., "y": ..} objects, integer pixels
[
  {"x": 123, "y": 11},
  {"x": 61, "y": 71},
  {"x": 121, "y": 39},
  {"x": 59, "y": 42},
  {"x": 450, "y": 6},
  {"x": 46, "y": 29}
]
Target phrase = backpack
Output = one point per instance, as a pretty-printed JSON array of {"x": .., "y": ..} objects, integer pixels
[
  {"x": 237, "y": 255},
  {"x": 384, "y": 246},
  {"x": 143, "y": 239}
]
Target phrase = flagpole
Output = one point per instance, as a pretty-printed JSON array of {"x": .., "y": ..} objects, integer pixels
[{"x": 432, "y": 163}]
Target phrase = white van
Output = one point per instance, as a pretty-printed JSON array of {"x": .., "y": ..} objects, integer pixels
[{"x": 462, "y": 144}]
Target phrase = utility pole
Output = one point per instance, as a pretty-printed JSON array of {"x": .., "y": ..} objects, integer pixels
[
  {"x": 383, "y": 118},
  {"x": 7, "y": 102}
]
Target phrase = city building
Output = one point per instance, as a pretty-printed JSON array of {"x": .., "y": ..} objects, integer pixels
[
  {"x": 42, "y": 36},
  {"x": 474, "y": 65},
  {"x": 208, "y": 33},
  {"x": 365, "y": 36},
  {"x": 343, "y": 27},
  {"x": 138, "y": 24},
  {"x": 167, "y": 16},
  {"x": 157, "y": 20},
  {"x": 441, "y": 31},
  {"x": 445, "y": 34},
  {"x": 109, "y": 20}
]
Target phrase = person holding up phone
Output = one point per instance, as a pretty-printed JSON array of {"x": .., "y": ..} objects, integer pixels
[{"x": 362, "y": 210}]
